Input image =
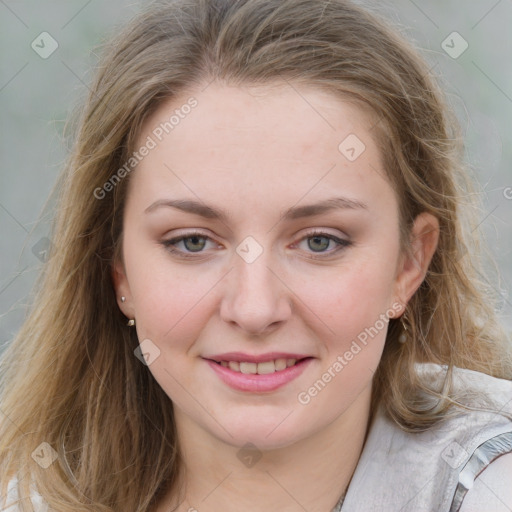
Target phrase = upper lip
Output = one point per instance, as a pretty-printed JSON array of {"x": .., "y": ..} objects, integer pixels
[{"x": 249, "y": 358}]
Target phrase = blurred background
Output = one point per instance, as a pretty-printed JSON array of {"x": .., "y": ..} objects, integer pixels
[{"x": 48, "y": 55}]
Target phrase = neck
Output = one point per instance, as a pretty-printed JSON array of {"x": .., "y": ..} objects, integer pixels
[{"x": 311, "y": 474}]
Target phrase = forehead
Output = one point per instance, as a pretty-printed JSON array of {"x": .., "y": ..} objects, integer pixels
[
  {"x": 267, "y": 111},
  {"x": 263, "y": 141}
]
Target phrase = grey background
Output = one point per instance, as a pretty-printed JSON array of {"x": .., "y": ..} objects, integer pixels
[{"x": 37, "y": 95}]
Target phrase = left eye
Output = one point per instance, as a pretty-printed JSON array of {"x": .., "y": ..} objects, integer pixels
[{"x": 194, "y": 243}]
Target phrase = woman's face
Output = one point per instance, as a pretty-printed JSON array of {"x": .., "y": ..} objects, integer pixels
[{"x": 261, "y": 259}]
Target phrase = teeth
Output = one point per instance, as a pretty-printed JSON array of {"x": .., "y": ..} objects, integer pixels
[
  {"x": 234, "y": 365},
  {"x": 280, "y": 364},
  {"x": 259, "y": 368},
  {"x": 248, "y": 367},
  {"x": 266, "y": 367}
]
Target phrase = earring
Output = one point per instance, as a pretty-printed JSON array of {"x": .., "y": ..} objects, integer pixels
[
  {"x": 403, "y": 336},
  {"x": 131, "y": 322},
  {"x": 123, "y": 299}
]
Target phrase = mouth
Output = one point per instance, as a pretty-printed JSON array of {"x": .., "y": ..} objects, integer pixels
[
  {"x": 261, "y": 368},
  {"x": 258, "y": 377}
]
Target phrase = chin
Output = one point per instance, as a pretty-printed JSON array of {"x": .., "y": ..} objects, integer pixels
[{"x": 265, "y": 435}]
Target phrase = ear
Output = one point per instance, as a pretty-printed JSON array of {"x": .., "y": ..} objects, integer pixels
[
  {"x": 122, "y": 288},
  {"x": 424, "y": 237}
]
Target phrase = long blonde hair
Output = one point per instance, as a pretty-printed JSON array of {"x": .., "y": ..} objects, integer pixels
[{"x": 70, "y": 377}]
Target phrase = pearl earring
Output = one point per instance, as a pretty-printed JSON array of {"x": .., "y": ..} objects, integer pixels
[
  {"x": 123, "y": 299},
  {"x": 403, "y": 336},
  {"x": 131, "y": 322}
]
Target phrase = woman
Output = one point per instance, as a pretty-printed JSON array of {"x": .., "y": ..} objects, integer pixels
[{"x": 260, "y": 295}]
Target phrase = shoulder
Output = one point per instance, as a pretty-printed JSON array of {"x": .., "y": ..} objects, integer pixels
[
  {"x": 434, "y": 469},
  {"x": 483, "y": 438},
  {"x": 474, "y": 389},
  {"x": 10, "y": 503},
  {"x": 491, "y": 490}
]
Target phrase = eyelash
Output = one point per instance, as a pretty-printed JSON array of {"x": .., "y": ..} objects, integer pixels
[{"x": 342, "y": 244}]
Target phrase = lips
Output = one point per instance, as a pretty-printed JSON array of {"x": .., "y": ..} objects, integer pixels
[{"x": 258, "y": 373}]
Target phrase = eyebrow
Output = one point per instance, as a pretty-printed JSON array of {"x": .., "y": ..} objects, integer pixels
[{"x": 293, "y": 213}]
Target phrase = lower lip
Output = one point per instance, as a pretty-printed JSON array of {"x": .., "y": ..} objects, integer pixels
[{"x": 258, "y": 383}]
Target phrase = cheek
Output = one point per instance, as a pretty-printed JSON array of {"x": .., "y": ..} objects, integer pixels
[
  {"x": 354, "y": 306},
  {"x": 172, "y": 309},
  {"x": 351, "y": 296},
  {"x": 169, "y": 302}
]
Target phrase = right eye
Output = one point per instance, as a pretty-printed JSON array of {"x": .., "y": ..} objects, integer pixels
[{"x": 193, "y": 243}]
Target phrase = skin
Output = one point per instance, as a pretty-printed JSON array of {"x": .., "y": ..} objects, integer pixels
[
  {"x": 491, "y": 490},
  {"x": 265, "y": 149}
]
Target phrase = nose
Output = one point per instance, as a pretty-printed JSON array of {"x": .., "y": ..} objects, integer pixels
[{"x": 256, "y": 299}]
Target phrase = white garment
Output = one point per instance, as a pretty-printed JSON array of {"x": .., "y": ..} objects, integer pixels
[
  {"x": 431, "y": 471},
  {"x": 9, "y": 503},
  {"x": 414, "y": 472}
]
